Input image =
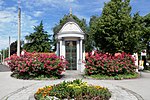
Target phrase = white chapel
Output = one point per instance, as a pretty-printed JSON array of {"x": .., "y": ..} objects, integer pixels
[{"x": 70, "y": 44}]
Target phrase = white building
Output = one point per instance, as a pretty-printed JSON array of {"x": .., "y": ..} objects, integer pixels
[{"x": 70, "y": 44}]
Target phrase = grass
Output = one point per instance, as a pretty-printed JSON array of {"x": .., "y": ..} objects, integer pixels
[
  {"x": 117, "y": 77},
  {"x": 40, "y": 77}
]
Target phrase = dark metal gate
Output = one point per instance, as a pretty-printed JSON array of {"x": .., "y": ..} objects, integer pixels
[{"x": 71, "y": 55}]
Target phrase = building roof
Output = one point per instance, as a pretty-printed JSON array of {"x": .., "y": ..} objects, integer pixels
[{"x": 70, "y": 19}]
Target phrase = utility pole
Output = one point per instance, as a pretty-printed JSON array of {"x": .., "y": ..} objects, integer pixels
[
  {"x": 19, "y": 28},
  {"x": 9, "y": 48},
  {"x": 3, "y": 56}
]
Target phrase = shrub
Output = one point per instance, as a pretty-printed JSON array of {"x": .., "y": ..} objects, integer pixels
[
  {"x": 34, "y": 65},
  {"x": 106, "y": 64},
  {"x": 75, "y": 89}
]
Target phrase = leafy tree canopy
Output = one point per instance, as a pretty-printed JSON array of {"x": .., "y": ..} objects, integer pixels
[
  {"x": 38, "y": 41},
  {"x": 13, "y": 47},
  {"x": 90, "y": 43},
  {"x": 146, "y": 35},
  {"x": 146, "y": 20},
  {"x": 115, "y": 30}
]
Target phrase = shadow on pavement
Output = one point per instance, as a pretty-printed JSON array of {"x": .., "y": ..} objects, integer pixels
[{"x": 4, "y": 68}]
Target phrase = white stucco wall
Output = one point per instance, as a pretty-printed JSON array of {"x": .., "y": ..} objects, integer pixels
[
  {"x": 71, "y": 26},
  {"x": 72, "y": 32}
]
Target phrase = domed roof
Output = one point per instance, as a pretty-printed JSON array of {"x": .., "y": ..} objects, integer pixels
[{"x": 70, "y": 19}]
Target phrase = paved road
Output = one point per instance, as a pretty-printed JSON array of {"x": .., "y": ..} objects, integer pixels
[
  {"x": 4, "y": 68},
  {"x": 8, "y": 84},
  {"x": 30, "y": 87},
  {"x": 140, "y": 85}
]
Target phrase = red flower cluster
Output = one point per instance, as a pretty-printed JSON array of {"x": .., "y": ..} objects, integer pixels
[
  {"x": 34, "y": 64},
  {"x": 106, "y": 64}
]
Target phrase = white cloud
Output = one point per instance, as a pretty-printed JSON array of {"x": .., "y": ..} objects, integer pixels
[
  {"x": 40, "y": 3},
  {"x": 1, "y": 2},
  {"x": 80, "y": 16},
  {"x": 38, "y": 13},
  {"x": 4, "y": 42},
  {"x": 98, "y": 9},
  {"x": 7, "y": 16},
  {"x": 27, "y": 24},
  {"x": 47, "y": 3},
  {"x": 9, "y": 25},
  {"x": 69, "y": 0}
]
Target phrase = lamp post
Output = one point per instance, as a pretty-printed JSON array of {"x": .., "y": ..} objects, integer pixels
[
  {"x": 19, "y": 29},
  {"x": 9, "y": 48}
]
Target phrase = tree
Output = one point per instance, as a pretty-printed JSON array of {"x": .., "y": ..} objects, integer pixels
[
  {"x": 38, "y": 41},
  {"x": 133, "y": 41},
  {"x": 4, "y": 53},
  {"x": 146, "y": 20},
  {"x": 146, "y": 35},
  {"x": 13, "y": 48},
  {"x": 112, "y": 29},
  {"x": 90, "y": 43}
]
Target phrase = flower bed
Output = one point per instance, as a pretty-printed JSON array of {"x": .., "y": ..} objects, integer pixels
[
  {"x": 106, "y": 64},
  {"x": 31, "y": 65},
  {"x": 75, "y": 89}
]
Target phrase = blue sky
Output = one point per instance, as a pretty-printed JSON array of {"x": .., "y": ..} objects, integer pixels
[{"x": 50, "y": 11}]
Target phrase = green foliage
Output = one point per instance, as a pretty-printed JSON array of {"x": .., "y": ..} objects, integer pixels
[
  {"x": 146, "y": 20},
  {"x": 132, "y": 42},
  {"x": 90, "y": 43},
  {"x": 146, "y": 35},
  {"x": 106, "y": 64},
  {"x": 115, "y": 30},
  {"x": 4, "y": 53},
  {"x": 38, "y": 41},
  {"x": 117, "y": 77},
  {"x": 75, "y": 89},
  {"x": 13, "y": 47}
]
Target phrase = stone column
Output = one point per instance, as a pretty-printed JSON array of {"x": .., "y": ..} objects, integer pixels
[
  {"x": 81, "y": 50},
  {"x": 84, "y": 52},
  {"x": 80, "y": 56},
  {"x": 60, "y": 48},
  {"x": 57, "y": 50}
]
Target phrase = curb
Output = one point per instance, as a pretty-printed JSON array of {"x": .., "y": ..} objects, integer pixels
[
  {"x": 31, "y": 97},
  {"x": 17, "y": 91},
  {"x": 139, "y": 97}
]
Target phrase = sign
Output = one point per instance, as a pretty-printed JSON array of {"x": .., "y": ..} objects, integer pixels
[
  {"x": 143, "y": 53},
  {"x": 141, "y": 67}
]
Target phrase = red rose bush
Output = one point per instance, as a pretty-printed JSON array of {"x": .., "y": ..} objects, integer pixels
[
  {"x": 34, "y": 64},
  {"x": 106, "y": 64}
]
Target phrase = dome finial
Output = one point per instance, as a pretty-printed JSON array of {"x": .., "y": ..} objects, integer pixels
[{"x": 70, "y": 11}]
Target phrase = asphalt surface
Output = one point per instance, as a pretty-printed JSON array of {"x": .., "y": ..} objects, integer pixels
[
  {"x": 9, "y": 85},
  {"x": 140, "y": 85},
  {"x": 4, "y": 68}
]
